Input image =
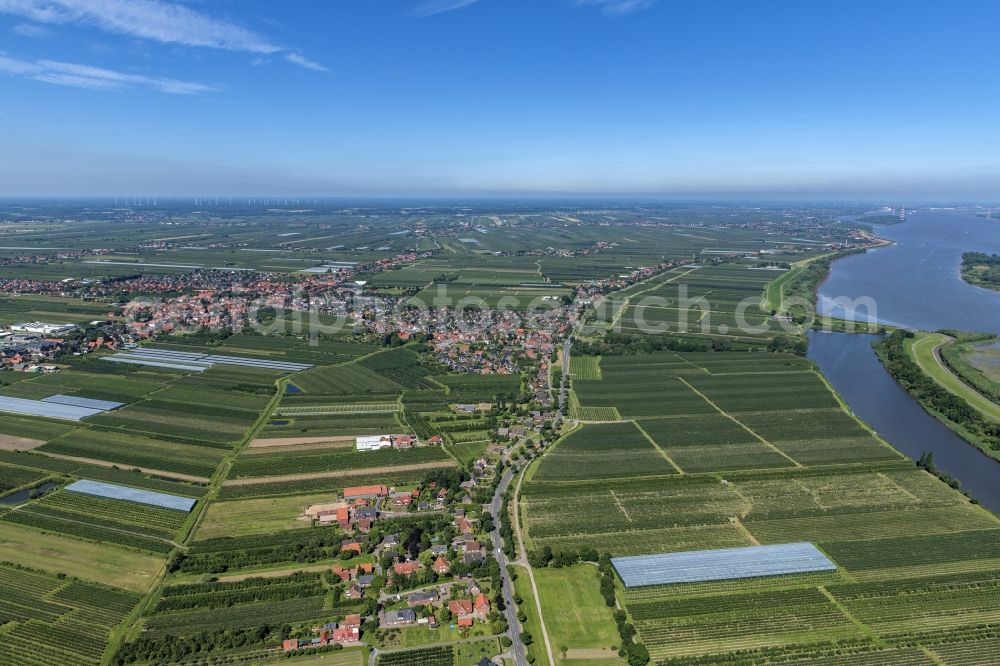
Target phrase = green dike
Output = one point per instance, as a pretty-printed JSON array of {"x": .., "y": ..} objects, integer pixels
[
  {"x": 925, "y": 349},
  {"x": 952, "y": 410}
]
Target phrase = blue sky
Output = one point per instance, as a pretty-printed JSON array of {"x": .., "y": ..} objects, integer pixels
[{"x": 850, "y": 99}]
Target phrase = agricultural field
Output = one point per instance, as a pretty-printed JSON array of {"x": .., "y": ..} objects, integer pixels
[
  {"x": 258, "y": 516},
  {"x": 23, "y": 307},
  {"x": 605, "y": 451},
  {"x": 118, "y": 522},
  {"x": 467, "y": 451},
  {"x": 585, "y": 367},
  {"x": 261, "y": 487},
  {"x": 712, "y": 301},
  {"x": 754, "y": 449},
  {"x": 346, "y": 657},
  {"x": 96, "y": 562},
  {"x": 224, "y": 554},
  {"x": 244, "y": 608},
  {"x": 454, "y": 283},
  {"x": 172, "y": 424},
  {"x": 576, "y": 616},
  {"x": 339, "y": 459},
  {"x": 35, "y": 606}
]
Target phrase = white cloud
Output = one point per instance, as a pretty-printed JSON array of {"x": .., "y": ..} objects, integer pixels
[
  {"x": 94, "y": 78},
  {"x": 155, "y": 20},
  {"x": 164, "y": 22},
  {"x": 619, "y": 6},
  {"x": 29, "y": 30},
  {"x": 432, "y": 7},
  {"x": 302, "y": 61}
]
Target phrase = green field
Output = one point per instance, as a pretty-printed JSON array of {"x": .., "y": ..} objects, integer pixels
[
  {"x": 735, "y": 449},
  {"x": 577, "y": 618},
  {"x": 34, "y": 606},
  {"x": 93, "y": 518},
  {"x": 100, "y": 563},
  {"x": 532, "y": 625},
  {"x": 258, "y": 516}
]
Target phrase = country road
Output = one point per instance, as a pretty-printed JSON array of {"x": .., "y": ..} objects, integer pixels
[{"x": 510, "y": 611}]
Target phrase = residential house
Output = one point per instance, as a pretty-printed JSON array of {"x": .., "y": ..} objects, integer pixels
[
  {"x": 399, "y": 617},
  {"x": 406, "y": 568},
  {"x": 345, "y": 635},
  {"x": 423, "y": 598},
  {"x": 481, "y": 607}
]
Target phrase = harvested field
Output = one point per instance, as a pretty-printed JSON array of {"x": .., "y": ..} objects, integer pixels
[{"x": 14, "y": 443}]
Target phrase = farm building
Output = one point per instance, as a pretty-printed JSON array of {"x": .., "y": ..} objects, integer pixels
[
  {"x": 365, "y": 492},
  {"x": 374, "y": 442}
]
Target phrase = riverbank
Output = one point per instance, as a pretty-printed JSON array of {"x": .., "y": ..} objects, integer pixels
[
  {"x": 850, "y": 365},
  {"x": 896, "y": 354},
  {"x": 927, "y": 350}
]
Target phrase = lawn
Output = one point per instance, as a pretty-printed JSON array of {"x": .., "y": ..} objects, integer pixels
[
  {"x": 576, "y": 616},
  {"x": 90, "y": 561},
  {"x": 257, "y": 516},
  {"x": 522, "y": 588}
]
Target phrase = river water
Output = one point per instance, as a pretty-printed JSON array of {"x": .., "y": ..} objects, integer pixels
[
  {"x": 847, "y": 360},
  {"x": 915, "y": 283}
]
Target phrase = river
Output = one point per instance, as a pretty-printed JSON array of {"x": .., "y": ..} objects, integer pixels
[
  {"x": 847, "y": 360},
  {"x": 915, "y": 283}
]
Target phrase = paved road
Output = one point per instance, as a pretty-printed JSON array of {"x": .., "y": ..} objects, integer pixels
[
  {"x": 561, "y": 401},
  {"x": 514, "y": 628}
]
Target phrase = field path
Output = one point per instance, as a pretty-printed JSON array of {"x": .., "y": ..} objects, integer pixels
[
  {"x": 741, "y": 424},
  {"x": 738, "y": 524},
  {"x": 523, "y": 561},
  {"x": 620, "y": 506},
  {"x": 251, "y": 481},
  {"x": 657, "y": 447},
  {"x": 864, "y": 628}
]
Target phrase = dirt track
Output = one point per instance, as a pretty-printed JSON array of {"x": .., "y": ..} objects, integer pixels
[
  {"x": 338, "y": 473},
  {"x": 144, "y": 470}
]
